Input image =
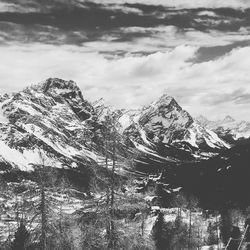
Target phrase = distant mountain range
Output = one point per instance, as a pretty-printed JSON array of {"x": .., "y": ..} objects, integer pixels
[{"x": 228, "y": 128}]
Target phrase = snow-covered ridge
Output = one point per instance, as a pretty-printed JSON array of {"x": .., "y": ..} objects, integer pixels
[
  {"x": 198, "y": 133},
  {"x": 51, "y": 123},
  {"x": 227, "y": 126}
]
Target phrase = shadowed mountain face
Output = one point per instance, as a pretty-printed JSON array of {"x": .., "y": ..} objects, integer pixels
[{"x": 219, "y": 182}]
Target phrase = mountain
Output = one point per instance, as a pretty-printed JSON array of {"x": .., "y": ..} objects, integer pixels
[
  {"x": 164, "y": 126},
  {"x": 228, "y": 128},
  {"x": 51, "y": 124}
]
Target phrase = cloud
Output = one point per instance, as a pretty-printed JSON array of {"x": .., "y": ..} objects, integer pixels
[
  {"x": 139, "y": 40},
  {"x": 122, "y": 8},
  {"x": 182, "y": 4},
  {"x": 15, "y": 6},
  {"x": 5, "y": 7},
  {"x": 11, "y": 33},
  {"x": 132, "y": 39},
  {"x": 178, "y": 4},
  {"x": 237, "y": 96},
  {"x": 78, "y": 15},
  {"x": 214, "y": 88},
  {"x": 207, "y": 13},
  {"x": 37, "y": 6},
  {"x": 120, "y": 81},
  {"x": 188, "y": 53},
  {"x": 121, "y": 28}
]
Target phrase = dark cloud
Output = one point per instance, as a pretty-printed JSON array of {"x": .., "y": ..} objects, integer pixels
[
  {"x": 20, "y": 33},
  {"x": 205, "y": 54},
  {"x": 76, "y": 22},
  {"x": 75, "y": 15},
  {"x": 238, "y": 96}
]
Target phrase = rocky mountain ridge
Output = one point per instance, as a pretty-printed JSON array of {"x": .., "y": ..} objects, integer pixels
[
  {"x": 46, "y": 124},
  {"x": 51, "y": 123},
  {"x": 164, "y": 123}
]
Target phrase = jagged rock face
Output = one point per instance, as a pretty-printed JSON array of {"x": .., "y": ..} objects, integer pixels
[
  {"x": 46, "y": 124},
  {"x": 66, "y": 91},
  {"x": 165, "y": 120}
]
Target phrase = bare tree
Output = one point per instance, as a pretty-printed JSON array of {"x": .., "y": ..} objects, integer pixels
[
  {"x": 111, "y": 137},
  {"x": 192, "y": 203}
]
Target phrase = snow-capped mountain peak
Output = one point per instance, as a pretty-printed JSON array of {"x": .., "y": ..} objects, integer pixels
[
  {"x": 165, "y": 103},
  {"x": 228, "y": 119},
  {"x": 164, "y": 121},
  {"x": 56, "y": 86},
  {"x": 46, "y": 120}
]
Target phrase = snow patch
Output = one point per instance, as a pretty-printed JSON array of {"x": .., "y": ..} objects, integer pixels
[
  {"x": 149, "y": 151},
  {"x": 22, "y": 160},
  {"x": 125, "y": 122},
  {"x": 215, "y": 138},
  {"x": 144, "y": 137},
  {"x": 192, "y": 138}
]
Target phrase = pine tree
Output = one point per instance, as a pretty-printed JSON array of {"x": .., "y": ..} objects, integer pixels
[
  {"x": 191, "y": 205},
  {"x": 160, "y": 234},
  {"x": 212, "y": 237},
  {"x": 162, "y": 196},
  {"x": 44, "y": 178},
  {"x": 226, "y": 225},
  {"x": 21, "y": 238},
  {"x": 43, "y": 218},
  {"x": 179, "y": 201},
  {"x": 180, "y": 232},
  {"x": 111, "y": 136}
]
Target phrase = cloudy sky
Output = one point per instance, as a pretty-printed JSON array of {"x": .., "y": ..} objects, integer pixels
[{"x": 131, "y": 51}]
